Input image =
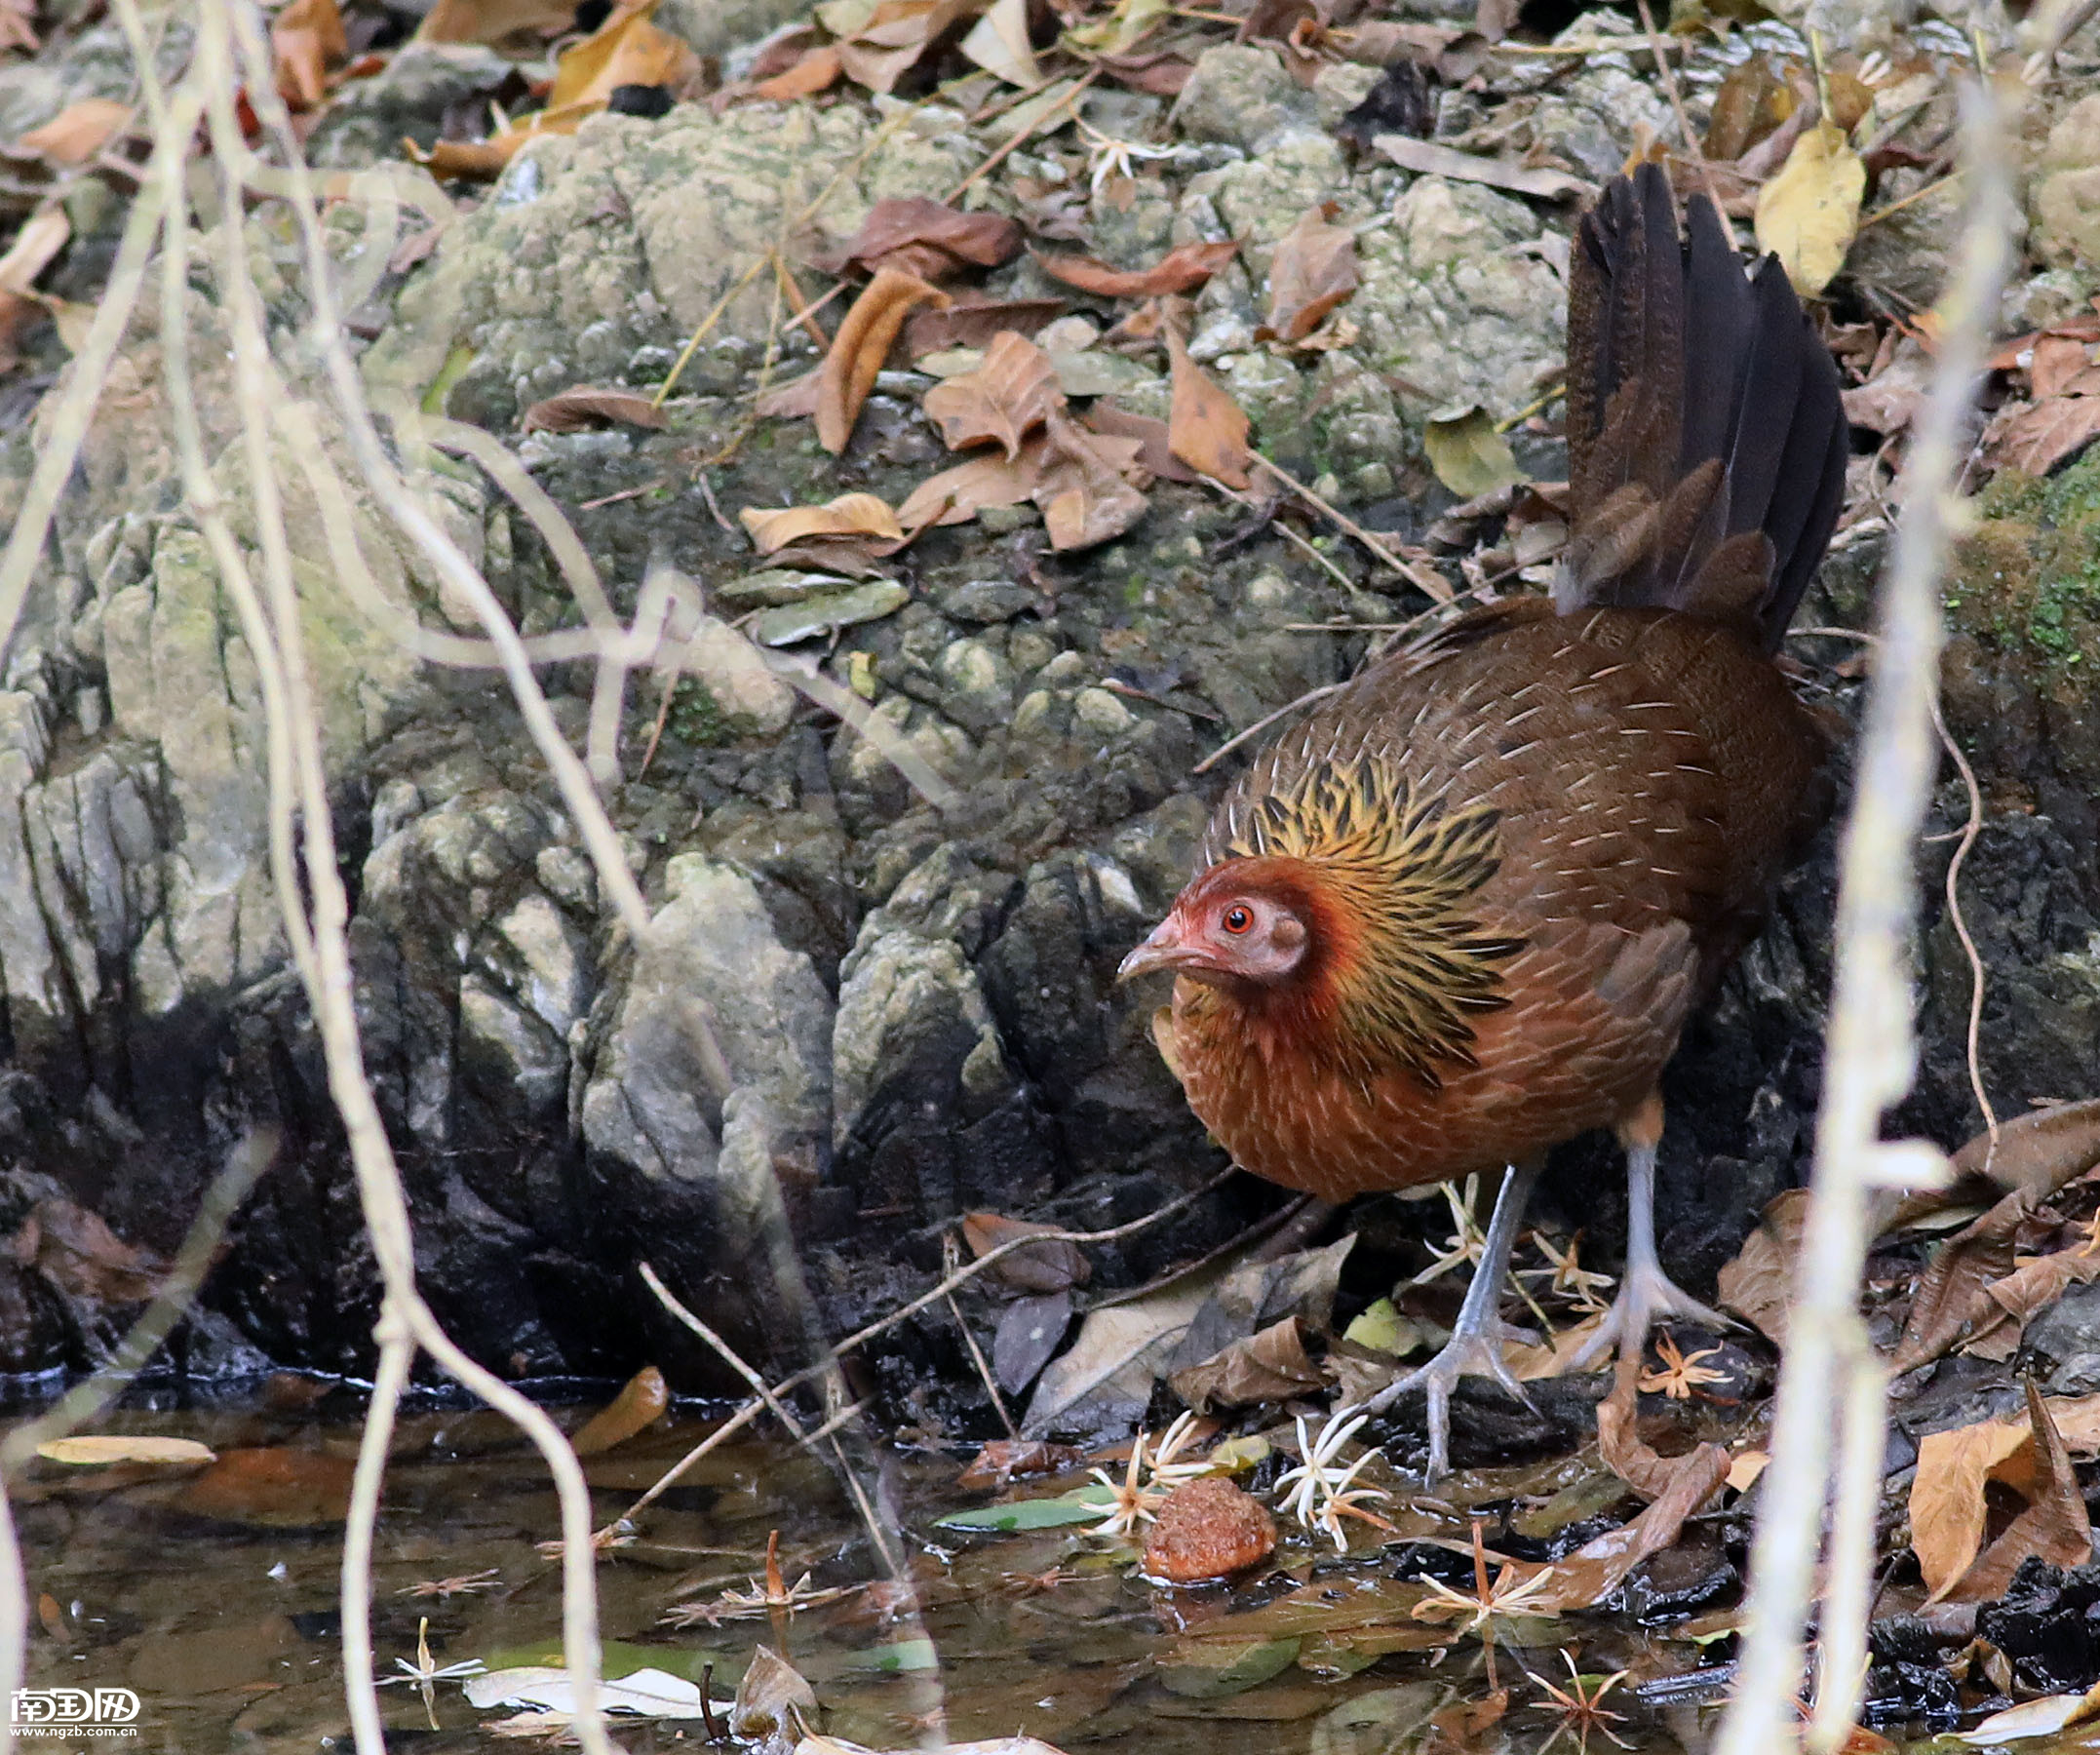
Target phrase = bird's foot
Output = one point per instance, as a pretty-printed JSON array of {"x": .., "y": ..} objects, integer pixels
[
  {"x": 1467, "y": 1354},
  {"x": 1646, "y": 1294}
]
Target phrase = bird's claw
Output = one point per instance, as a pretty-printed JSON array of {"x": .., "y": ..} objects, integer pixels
[
  {"x": 1644, "y": 1295},
  {"x": 1463, "y": 1355}
]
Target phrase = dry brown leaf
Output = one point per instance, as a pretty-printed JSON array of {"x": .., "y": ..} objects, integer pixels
[
  {"x": 1589, "y": 1575},
  {"x": 860, "y": 347},
  {"x": 1751, "y": 100},
  {"x": 772, "y": 529},
  {"x": 794, "y": 400},
  {"x": 583, "y": 407},
  {"x": 1085, "y": 493},
  {"x": 1004, "y": 1461},
  {"x": 881, "y": 51},
  {"x": 1530, "y": 1362},
  {"x": 494, "y": 21},
  {"x": 2056, "y": 364},
  {"x": 17, "y": 315},
  {"x": 1206, "y": 428},
  {"x": 975, "y": 322},
  {"x": 1002, "y": 401},
  {"x": 2054, "y": 1524},
  {"x": 305, "y": 36},
  {"x": 957, "y": 495},
  {"x": 928, "y": 239},
  {"x": 1809, "y": 213},
  {"x": 2036, "y": 437},
  {"x": 2042, "y": 1150},
  {"x": 817, "y": 71},
  {"x": 1050, "y": 1265},
  {"x": 1952, "y": 1302},
  {"x": 1948, "y": 1509},
  {"x": 1312, "y": 271},
  {"x": 1757, "y": 1283},
  {"x": 1425, "y": 158},
  {"x": 625, "y": 49},
  {"x": 641, "y": 1403},
  {"x": 1269, "y": 1366},
  {"x": 2035, "y": 1285},
  {"x": 78, "y": 131},
  {"x": 1162, "y": 72},
  {"x": 1155, "y": 437},
  {"x": 1618, "y": 1442},
  {"x": 78, "y": 1252},
  {"x": 1181, "y": 269},
  {"x": 42, "y": 236}
]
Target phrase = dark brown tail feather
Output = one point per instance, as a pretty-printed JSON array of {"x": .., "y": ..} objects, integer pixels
[{"x": 1677, "y": 360}]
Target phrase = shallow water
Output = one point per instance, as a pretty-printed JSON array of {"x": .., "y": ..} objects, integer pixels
[{"x": 214, "y": 1600}]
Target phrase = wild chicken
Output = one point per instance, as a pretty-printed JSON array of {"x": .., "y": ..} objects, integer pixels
[{"x": 1463, "y": 911}]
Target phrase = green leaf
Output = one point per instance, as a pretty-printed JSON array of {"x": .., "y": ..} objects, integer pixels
[
  {"x": 1089, "y": 1505},
  {"x": 1469, "y": 457},
  {"x": 1226, "y": 1667},
  {"x": 896, "y": 1659}
]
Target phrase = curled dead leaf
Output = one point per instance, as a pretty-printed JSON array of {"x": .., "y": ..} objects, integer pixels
[
  {"x": 641, "y": 1403},
  {"x": 494, "y": 21},
  {"x": 772, "y": 529},
  {"x": 1050, "y": 1265},
  {"x": 1312, "y": 271},
  {"x": 1181, "y": 269},
  {"x": 1206, "y": 428},
  {"x": 1758, "y": 1282},
  {"x": 927, "y": 239},
  {"x": 78, "y": 131},
  {"x": 860, "y": 347},
  {"x": 1269, "y": 1366},
  {"x": 1003, "y": 401},
  {"x": 305, "y": 37},
  {"x": 1948, "y": 1507},
  {"x": 2033, "y": 438},
  {"x": 584, "y": 408}
]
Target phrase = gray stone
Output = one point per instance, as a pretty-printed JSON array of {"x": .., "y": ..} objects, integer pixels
[
  {"x": 1453, "y": 307},
  {"x": 1243, "y": 96},
  {"x": 749, "y": 695},
  {"x": 714, "y": 1004},
  {"x": 912, "y": 1013},
  {"x": 365, "y": 122}
]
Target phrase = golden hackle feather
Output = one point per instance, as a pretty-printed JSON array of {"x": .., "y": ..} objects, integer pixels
[{"x": 1401, "y": 963}]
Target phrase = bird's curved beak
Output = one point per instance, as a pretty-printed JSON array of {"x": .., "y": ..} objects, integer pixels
[{"x": 1163, "y": 950}]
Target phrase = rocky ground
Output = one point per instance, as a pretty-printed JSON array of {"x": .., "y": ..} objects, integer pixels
[{"x": 915, "y": 1004}]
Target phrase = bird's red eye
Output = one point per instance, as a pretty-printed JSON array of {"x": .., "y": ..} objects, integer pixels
[{"x": 1238, "y": 918}]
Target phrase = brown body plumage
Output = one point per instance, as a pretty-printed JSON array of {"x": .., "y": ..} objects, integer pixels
[
  {"x": 1635, "y": 782},
  {"x": 1463, "y": 911}
]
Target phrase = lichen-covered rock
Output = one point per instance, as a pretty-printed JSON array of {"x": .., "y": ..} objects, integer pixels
[
  {"x": 2064, "y": 197},
  {"x": 595, "y": 256},
  {"x": 1594, "y": 118},
  {"x": 1908, "y": 252},
  {"x": 1455, "y": 306},
  {"x": 1243, "y": 96}
]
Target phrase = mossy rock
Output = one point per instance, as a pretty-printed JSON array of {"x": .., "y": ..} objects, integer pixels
[{"x": 2029, "y": 577}]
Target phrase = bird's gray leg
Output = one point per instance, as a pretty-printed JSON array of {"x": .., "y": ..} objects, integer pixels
[
  {"x": 1475, "y": 1346},
  {"x": 1646, "y": 1292}
]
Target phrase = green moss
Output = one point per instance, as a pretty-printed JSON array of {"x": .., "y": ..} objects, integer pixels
[
  {"x": 2029, "y": 574},
  {"x": 696, "y": 717}
]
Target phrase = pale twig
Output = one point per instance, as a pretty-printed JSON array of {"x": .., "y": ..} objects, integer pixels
[
  {"x": 330, "y": 983},
  {"x": 1971, "y": 830},
  {"x": 1022, "y": 136},
  {"x": 1425, "y": 579},
  {"x": 1262, "y": 724},
  {"x": 969, "y": 1270},
  {"x": 1871, "y": 1054},
  {"x": 1668, "y": 75}
]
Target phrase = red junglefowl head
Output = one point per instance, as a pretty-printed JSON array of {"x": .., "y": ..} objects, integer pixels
[
  {"x": 1239, "y": 923},
  {"x": 1339, "y": 921}
]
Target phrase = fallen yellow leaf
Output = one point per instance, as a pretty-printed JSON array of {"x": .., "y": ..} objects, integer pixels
[{"x": 1808, "y": 214}]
